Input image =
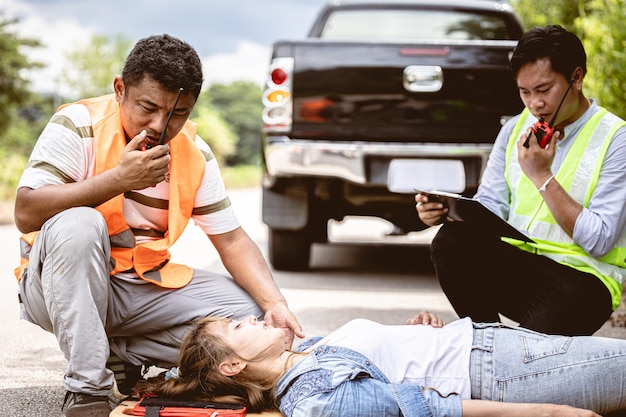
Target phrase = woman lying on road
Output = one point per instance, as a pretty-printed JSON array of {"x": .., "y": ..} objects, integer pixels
[{"x": 369, "y": 369}]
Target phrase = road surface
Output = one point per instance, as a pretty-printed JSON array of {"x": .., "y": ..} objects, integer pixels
[{"x": 386, "y": 282}]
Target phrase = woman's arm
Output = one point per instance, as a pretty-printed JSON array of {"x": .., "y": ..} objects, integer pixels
[{"x": 482, "y": 408}]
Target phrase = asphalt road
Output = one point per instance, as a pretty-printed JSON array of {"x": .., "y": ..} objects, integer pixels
[{"x": 385, "y": 278}]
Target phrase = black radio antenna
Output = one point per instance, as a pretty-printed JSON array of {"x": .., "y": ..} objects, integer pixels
[
  {"x": 551, "y": 124},
  {"x": 169, "y": 116}
]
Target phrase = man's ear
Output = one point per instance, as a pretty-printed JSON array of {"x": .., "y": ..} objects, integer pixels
[
  {"x": 119, "y": 88},
  {"x": 232, "y": 367}
]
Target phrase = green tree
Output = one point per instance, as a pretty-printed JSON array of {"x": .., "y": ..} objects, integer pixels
[
  {"x": 90, "y": 70},
  {"x": 599, "y": 24},
  {"x": 546, "y": 12},
  {"x": 27, "y": 122},
  {"x": 214, "y": 130},
  {"x": 239, "y": 104},
  {"x": 605, "y": 42},
  {"x": 14, "y": 87}
]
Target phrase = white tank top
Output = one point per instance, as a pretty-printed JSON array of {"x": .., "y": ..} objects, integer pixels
[{"x": 416, "y": 354}]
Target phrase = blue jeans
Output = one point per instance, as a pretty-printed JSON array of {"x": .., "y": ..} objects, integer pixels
[{"x": 518, "y": 365}]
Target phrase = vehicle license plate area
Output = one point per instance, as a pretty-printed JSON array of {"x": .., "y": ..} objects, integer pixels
[{"x": 407, "y": 175}]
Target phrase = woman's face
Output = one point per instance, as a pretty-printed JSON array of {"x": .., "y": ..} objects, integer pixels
[{"x": 250, "y": 338}]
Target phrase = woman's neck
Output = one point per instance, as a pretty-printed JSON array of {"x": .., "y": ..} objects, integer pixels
[
  {"x": 281, "y": 364},
  {"x": 272, "y": 367}
]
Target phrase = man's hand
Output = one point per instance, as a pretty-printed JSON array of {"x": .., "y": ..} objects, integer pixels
[
  {"x": 424, "y": 317},
  {"x": 280, "y": 316},
  {"x": 535, "y": 161},
  {"x": 431, "y": 213},
  {"x": 141, "y": 168}
]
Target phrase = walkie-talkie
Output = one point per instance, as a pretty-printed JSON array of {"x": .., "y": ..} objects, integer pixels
[{"x": 543, "y": 131}]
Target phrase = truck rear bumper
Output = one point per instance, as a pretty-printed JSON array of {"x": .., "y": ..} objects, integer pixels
[{"x": 364, "y": 163}]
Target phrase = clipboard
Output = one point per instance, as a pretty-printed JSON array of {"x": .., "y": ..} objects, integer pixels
[{"x": 466, "y": 209}]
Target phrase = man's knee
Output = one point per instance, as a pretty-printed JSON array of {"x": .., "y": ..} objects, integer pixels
[
  {"x": 78, "y": 227},
  {"x": 451, "y": 236}
]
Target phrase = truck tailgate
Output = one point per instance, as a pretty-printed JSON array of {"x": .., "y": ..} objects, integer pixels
[{"x": 340, "y": 94}]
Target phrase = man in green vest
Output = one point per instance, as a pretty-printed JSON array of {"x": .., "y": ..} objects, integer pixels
[{"x": 566, "y": 193}]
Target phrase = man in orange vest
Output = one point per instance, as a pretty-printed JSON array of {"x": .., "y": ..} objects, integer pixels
[{"x": 111, "y": 184}]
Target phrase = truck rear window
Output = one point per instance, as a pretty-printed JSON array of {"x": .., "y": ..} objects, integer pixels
[{"x": 409, "y": 25}]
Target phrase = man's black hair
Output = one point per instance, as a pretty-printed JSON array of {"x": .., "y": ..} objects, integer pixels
[
  {"x": 171, "y": 62},
  {"x": 563, "y": 48}
]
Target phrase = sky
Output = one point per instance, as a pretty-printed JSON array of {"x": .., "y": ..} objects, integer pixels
[{"x": 233, "y": 37}]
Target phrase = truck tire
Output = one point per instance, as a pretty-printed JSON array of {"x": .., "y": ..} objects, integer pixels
[{"x": 289, "y": 250}]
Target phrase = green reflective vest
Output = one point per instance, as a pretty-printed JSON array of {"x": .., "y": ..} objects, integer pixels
[{"x": 578, "y": 175}]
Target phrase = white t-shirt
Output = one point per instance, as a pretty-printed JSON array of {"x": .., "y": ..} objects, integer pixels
[
  {"x": 419, "y": 354},
  {"x": 65, "y": 152}
]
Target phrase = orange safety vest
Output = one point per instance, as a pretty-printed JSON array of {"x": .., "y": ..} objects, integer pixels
[{"x": 187, "y": 167}]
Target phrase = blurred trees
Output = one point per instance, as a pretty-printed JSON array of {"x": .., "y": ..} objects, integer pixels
[
  {"x": 239, "y": 104},
  {"x": 214, "y": 130},
  {"x": 17, "y": 103},
  {"x": 90, "y": 70},
  {"x": 20, "y": 109},
  {"x": 604, "y": 36},
  {"x": 599, "y": 24}
]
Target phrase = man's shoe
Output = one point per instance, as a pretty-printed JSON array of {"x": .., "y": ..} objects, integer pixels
[
  {"x": 125, "y": 376},
  {"x": 77, "y": 404}
]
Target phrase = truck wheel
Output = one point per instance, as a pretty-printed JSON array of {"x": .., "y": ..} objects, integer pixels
[{"x": 289, "y": 250}]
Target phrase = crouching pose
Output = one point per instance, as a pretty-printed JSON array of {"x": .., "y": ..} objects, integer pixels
[{"x": 366, "y": 368}]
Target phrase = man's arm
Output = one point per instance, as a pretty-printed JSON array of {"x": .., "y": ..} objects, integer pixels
[
  {"x": 136, "y": 170},
  {"x": 244, "y": 261}
]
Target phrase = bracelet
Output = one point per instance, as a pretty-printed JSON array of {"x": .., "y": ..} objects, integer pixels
[{"x": 545, "y": 184}]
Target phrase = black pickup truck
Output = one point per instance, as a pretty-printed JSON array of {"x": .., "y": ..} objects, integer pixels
[{"x": 382, "y": 98}]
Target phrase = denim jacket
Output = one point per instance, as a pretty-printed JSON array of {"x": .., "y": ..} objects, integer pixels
[{"x": 336, "y": 381}]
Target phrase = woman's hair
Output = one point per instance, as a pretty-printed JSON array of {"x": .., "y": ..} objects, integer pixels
[
  {"x": 563, "y": 48},
  {"x": 201, "y": 354},
  {"x": 169, "y": 61}
]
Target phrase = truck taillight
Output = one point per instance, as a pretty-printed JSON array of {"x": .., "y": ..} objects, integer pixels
[
  {"x": 278, "y": 76},
  {"x": 277, "y": 95}
]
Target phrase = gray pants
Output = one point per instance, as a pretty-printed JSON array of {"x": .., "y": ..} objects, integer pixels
[{"x": 67, "y": 290}]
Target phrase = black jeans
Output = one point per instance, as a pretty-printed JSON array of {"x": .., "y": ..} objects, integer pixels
[{"x": 483, "y": 276}]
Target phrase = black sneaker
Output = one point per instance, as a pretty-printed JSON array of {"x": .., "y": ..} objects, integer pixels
[
  {"x": 125, "y": 375},
  {"x": 84, "y": 405}
]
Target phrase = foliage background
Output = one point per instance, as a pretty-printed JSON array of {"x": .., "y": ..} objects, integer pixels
[{"x": 600, "y": 26}]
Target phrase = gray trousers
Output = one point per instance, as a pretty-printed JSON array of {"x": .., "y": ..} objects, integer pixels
[{"x": 67, "y": 290}]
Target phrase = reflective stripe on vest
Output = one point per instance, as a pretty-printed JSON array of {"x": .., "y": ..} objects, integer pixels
[
  {"x": 150, "y": 260},
  {"x": 578, "y": 176}
]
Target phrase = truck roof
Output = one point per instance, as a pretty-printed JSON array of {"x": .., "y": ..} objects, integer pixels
[
  {"x": 489, "y": 9},
  {"x": 503, "y": 5}
]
